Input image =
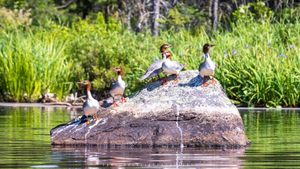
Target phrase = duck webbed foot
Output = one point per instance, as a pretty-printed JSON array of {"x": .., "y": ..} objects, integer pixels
[
  {"x": 123, "y": 99},
  {"x": 205, "y": 84},
  {"x": 213, "y": 81},
  {"x": 86, "y": 119},
  {"x": 164, "y": 80},
  {"x": 95, "y": 117},
  {"x": 115, "y": 104},
  {"x": 176, "y": 80},
  {"x": 205, "y": 81}
]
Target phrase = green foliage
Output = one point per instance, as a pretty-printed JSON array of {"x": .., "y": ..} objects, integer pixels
[
  {"x": 40, "y": 11},
  {"x": 11, "y": 19},
  {"x": 288, "y": 15},
  {"x": 184, "y": 16},
  {"x": 31, "y": 64},
  {"x": 256, "y": 11},
  {"x": 261, "y": 68},
  {"x": 258, "y": 60}
]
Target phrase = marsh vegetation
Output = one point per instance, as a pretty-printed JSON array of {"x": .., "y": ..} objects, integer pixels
[{"x": 257, "y": 48}]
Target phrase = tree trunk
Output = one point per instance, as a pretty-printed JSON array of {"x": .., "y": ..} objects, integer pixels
[
  {"x": 120, "y": 5},
  {"x": 129, "y": 18},
  {"x": 210, "y": 7},
  {"x": 155, "y": 16},
  {"x": 173, "y": 2},
  {"x": 215, "y": 14},
  {"x": 86, "y": 8}
]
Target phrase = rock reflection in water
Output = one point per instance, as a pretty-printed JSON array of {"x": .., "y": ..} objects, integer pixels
[{"x": 117, "y": 157}]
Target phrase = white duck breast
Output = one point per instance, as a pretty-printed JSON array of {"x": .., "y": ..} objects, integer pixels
[
  {"x": 171, "y": 67},
  {"x": 91, "y": 105},
  {"x": 119, "y": 87},
  {"x": 207, "y": 68}
]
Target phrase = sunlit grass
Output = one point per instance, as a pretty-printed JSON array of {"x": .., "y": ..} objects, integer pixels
[
  {"x": 258, "y": 63},
  {"x": 31, "y": 65}
]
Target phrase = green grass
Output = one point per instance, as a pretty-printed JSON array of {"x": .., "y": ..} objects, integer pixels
[
  {"x": 261, "y": 66},
  {"x": 32, "y": 64},
  {"x": 265, "y": 70}
]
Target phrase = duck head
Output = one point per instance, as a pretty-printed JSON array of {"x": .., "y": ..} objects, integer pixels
[
  {"x": 87, "y": 84},
  {"x": 164, "y": 47},
  {"x": 163, "y": 50},
  {"x": 206, "y": 47},
  {"x": 118, "y": 70}
]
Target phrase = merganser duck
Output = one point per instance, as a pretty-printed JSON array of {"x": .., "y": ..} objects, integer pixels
[
  {"x": 170, "y": 67},
  {"x": 207, "y": 68},
  {"x": 90, "y": 106},
  {"x": 156, "y": 67},
  {"x": 118, "y": 86}
]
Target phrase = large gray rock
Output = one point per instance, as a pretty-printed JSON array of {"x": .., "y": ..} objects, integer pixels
[{"x": 163, "y": 115}]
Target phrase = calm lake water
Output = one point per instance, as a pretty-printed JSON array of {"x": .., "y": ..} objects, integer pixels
[{"x": 25, "y": 143}]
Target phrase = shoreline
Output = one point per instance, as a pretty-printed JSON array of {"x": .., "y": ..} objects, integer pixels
[{"x": 9, "y": 104}]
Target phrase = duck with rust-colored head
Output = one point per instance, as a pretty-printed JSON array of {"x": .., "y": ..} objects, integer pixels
[
  {"x": 118, "y": 86},
  {"x": 156, "y": 67},
  {"x": 170, "y": 67},
  {"x": 208, "y": 67},
  {"x": 90, "y": 106}
]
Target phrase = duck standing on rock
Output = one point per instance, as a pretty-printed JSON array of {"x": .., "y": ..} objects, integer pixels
[
  {"x": 90, "y": 106},
  {"x": 207, "y": 68},
  {"x": 118, "y": 86},
  {"x": 156, "y": 67},
  {"x": 170, "y": 67}
]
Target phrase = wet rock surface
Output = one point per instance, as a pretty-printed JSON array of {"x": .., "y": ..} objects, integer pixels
[{"x": 183, "y": 113}]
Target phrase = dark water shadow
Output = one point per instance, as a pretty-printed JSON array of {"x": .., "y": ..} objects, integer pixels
[{"x": 99, "y": 156}]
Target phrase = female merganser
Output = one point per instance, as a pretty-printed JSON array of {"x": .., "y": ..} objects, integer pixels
[
  {"x": 207, "y": 68},
  {"x": 170, "y": 67},
  {"x": 156, "y": 67},
  {"x": 90, "y": 106},
  {"x": 118, "y": 86}
]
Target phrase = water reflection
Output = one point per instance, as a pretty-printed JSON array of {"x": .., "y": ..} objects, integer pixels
[
  {"x": 25, "y": 143},
  {"x": 275, "y": 138},
  {"x": 117, "y": 157}
]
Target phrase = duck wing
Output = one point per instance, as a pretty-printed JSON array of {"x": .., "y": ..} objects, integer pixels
[
  {"x": 114, "y": 88},
  {"x": 201, "y": 66},
  {"x": 176, "y": 65},
  {"x": 154, "y": 69},
  {"x": 207, "y": 65}
]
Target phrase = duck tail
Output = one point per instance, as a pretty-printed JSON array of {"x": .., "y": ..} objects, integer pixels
[{"x": 143, "y": 78}]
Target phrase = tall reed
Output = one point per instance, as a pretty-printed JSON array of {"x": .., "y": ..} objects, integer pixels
[
  {"x": 31, "y": 64},
  {"x": 258, "y": 63}
]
